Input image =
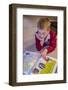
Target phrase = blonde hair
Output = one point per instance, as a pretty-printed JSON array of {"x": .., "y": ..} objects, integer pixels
[{"x": 43, "y": 22}]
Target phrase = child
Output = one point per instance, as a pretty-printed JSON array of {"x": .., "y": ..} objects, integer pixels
[{"x": 46, "y": 39}]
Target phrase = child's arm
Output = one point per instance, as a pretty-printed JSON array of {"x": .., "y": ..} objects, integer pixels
[
  {"x": 53, "y": 43},
  {"x": 44, "y": 53},
  {"x": 51, "y": 47}
]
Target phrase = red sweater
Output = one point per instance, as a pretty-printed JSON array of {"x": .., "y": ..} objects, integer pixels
[{"x": 52, "y": 44}]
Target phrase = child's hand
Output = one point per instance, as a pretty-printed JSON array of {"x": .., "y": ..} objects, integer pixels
[{"x": 44, "y": 53}]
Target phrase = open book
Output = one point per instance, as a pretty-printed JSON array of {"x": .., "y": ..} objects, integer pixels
[{"x": 33, "y": 63}]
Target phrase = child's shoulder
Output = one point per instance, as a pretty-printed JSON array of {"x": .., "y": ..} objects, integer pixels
[
  {"x": 36, "y": 33},
  {"x": 52, "y": 33}
]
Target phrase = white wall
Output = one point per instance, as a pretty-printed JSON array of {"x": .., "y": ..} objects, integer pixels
[{"x": 4, "y": 47}]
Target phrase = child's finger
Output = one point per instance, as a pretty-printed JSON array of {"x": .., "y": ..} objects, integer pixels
[{"x": 44, "y": 57}]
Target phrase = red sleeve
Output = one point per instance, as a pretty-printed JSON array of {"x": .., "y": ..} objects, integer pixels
[
  {"x": 53, "y": 42},
  {"x": 38, "y": 46}
]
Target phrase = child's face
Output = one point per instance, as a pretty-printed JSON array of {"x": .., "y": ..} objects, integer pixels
[{"x": 46, "y": 27}]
